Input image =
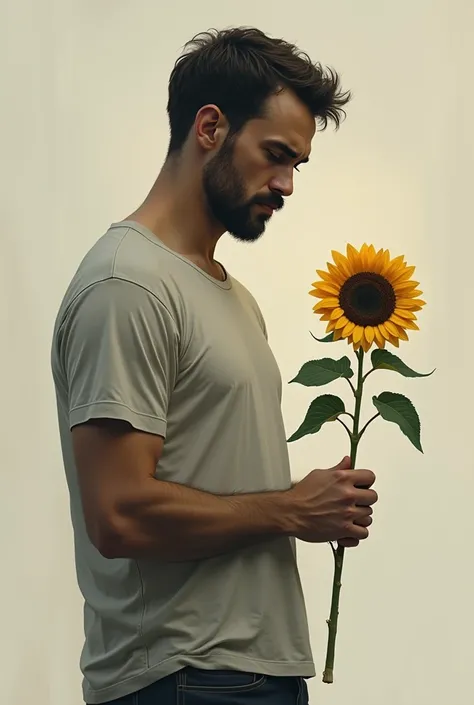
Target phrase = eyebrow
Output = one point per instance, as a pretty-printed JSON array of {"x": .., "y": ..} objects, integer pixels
[{"x": 287, "y": 150}]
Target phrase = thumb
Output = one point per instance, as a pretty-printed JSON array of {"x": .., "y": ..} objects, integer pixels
[{"x": 345, "y": 464}]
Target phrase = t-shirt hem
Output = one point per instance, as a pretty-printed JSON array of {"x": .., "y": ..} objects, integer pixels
[
  {"x": 301, "y": 669},
  {"x": 120, "y": 412}
]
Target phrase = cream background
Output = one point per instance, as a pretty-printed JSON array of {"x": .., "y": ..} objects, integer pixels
[{"x": 84, "y": 131}]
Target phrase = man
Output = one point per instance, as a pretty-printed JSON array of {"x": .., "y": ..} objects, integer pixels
[{"x": 184, "y": 513}]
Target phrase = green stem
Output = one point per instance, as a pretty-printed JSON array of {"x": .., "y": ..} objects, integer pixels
[{"x": 328, "y": 675}]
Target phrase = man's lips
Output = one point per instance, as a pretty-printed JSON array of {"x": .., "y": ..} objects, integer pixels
[{"x": 267, "y": 208}]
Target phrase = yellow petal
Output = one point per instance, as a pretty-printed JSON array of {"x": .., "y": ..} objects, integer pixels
[
  {"x": 369, "y": 334},
  {"x": 325, "y": 276},
  {"x": 394, "y": 268},
  {"x": 337, "y": 276},
  {"x": 365, "y": 344},
  {"x": 397, "y": 320},
  {"x": 379, "y": 339},
  {"x": 391, "y": 328},
  {"x": 357, "y": 334},
  {"x": 354, "y": 258},
  {"x": 348, "y": 329},
  {"x": 337, "y": 334},
  {"x": 325, "y": 317},
  {"x": 364, "y": 257},
  {"x": 412, "y": 294},
  {"x": 394, "y": 340},
  {"x": 341, "y": 323},
  {"x": 329, "y": 303},
  {"x": 336, "y": 314},
  {"x": 403, "y": 287},
  {"x": 326, "y": 287},
  {"x": 405, "y": 313},
  {"x": 371, "y": 255},
  {"x": 402, "y": 276},
  {"x": 411, "y": 304},
  {"x": 411, "y": 325},
  {"x": 378, "y": 262},
  {"x": 342, "y": 263},
  {"x": 322, "y": 294}
]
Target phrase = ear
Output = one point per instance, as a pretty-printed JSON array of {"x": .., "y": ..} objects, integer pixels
[{"x": 210, "y": 127}]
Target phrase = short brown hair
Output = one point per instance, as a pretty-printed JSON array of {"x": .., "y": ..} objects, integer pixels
[{"x": 237, "y": 70}]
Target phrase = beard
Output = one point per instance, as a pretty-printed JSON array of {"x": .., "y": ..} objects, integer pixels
[{"x": 226, "y": 197}]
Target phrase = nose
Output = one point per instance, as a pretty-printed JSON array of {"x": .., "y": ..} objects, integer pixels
[{"x": 282, "y": 184}]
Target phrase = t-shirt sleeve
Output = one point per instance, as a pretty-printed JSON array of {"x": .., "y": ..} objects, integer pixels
[{"x": 119, "y": 351}]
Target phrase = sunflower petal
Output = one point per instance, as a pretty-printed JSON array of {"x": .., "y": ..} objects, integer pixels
[
  {"x": 364, "y": 257},
  {"x": 349, "y": 327},
  {"x": 354, "y": 258},
  {"x": 405, "y": 313},
  {"x": 394, "y": 268},
  {"x": 365, "y": 344},
  {"x": 402, "y": 276},
  {"x": 336, "y": 314},
  {"x": 357, "y": 334},
  {"x": 369, "y": 334},
  {"x": 411, "y": 325},
  {"x": 341, "y": 323},
  {"x": 328, "y": 303},
  {"x": 322, "y": 294},
  {"x": 379, "y": 339},
  {"x": 326, "y": 287},
  {"x": 336, "y": 275},
  {"x": 342, "y": 263},
  {"x": 411, "y": 304},
  {"x": 371, "y": 255},
  {"x": 391, "y": 328},
  {"x": 325, "y": 276},
  {"x": 397, "y": 320},
  {"x": 405, "y": 286},
  {"x": 395, "y": 341},
  {"x": 377, "y": 264}
]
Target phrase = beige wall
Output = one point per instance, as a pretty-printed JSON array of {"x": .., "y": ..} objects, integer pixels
[{"x": 83, "y": 134}]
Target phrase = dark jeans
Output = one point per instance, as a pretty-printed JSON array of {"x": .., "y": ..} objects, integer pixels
[{"x": 192, "y": 686}]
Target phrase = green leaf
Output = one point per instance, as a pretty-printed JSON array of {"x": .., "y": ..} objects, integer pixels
[
  {"x": 384, "y": 360},
  {"x": 316, "y": 373},
  {"x": 400, "y": 410},
  {"x": 327, "y": 338},
  {"x": 322, "y": 410}
]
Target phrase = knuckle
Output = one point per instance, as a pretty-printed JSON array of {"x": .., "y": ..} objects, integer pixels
[{"x": 340, "y": 475}]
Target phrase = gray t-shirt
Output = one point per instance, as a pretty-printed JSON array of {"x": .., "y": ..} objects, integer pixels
[{"x": 146, "y": 336}]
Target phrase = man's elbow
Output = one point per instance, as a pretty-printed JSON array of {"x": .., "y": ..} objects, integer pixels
[{"x": 111, "y": 537}]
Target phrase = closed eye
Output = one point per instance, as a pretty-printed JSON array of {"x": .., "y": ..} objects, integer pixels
[{"x": 278, "y": 158}]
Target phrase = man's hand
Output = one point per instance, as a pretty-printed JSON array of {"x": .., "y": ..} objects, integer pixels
[{"x": 334, "y": 505}]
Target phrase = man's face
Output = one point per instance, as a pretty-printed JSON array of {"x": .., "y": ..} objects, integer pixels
[{"x": 251, "y": 174}]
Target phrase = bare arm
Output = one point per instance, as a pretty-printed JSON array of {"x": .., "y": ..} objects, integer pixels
[{"x": 129, "y": 513}]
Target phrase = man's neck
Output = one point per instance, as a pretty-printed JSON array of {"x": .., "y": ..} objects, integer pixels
[{"x": 175, "y": 212}]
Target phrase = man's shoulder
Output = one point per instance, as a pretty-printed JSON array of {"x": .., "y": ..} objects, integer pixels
[{"x": 122, "y": 255}]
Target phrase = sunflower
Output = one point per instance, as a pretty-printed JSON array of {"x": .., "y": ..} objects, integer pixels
[{"x": 367, "y": 297}]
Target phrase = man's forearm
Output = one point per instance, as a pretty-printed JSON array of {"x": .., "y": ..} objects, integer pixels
[{"x": 172, "y": 522}]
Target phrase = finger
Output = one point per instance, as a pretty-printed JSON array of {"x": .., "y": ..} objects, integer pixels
[
  {"x": 345, "y": 464},
  {"x": 348, "y": 543},
  {"x": 356, "y": 531},
  {"x": 363, "y": 478},
  {"x": 363, "y": 521},
  {"x": 365, "y": 498}
]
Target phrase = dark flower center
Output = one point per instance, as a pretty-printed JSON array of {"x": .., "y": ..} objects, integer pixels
[{"x": 367, "y": 299}]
